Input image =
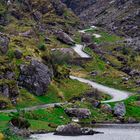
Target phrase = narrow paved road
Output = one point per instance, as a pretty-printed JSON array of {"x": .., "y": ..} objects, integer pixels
[
  {"x": 79, "y": 50},
  {"x": 35, "y": 107},
  {"x": 116, "y": 95}
]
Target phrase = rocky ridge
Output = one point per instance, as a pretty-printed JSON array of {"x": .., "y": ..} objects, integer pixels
[
  {"x": 119, "y": 16},
  {"x": 27, "y": 28}
]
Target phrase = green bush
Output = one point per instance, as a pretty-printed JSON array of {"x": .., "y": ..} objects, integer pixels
[
  {"x": 41, "y": 47},
  {"x": 11, "y": 54}
]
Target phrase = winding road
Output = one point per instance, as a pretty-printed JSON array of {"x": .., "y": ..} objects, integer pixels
[
  {"x": 116, "y": 95},
  {"x": 35, "y": 107},
  {"x": 79, "y": 50}
]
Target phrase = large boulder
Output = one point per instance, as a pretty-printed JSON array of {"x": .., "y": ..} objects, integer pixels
[
  {"x": 106, "y": 108},
  {"x": 65, "y": 38},
  {"x": 3, "y": 104},
  {"x": 35, "y": 77},
  {"x": 19, "y": 126},
  {"x": 4, "y": 42},
  {"x": 18, "y": 54},
  {"x": 86, "y": 38},
  {"x": 70, "y": 129},
  {"x": 78, "y": 112},
  {"x": 74, "y": 129},
  {"x": 120, "y": 110}
]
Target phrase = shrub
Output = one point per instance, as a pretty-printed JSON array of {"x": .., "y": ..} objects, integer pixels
[
  {"x": 41, "y": 47},
  {"x": 18, "y": 119}
]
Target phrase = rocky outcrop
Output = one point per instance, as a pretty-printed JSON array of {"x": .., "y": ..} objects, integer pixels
[
  {"x": 8, "y": 83},
  {"x": 73, "y": 129},
  {"x": 19, "y": 126},
  {"x": 35, "y": 77},
  {"x": 3, "y": 104},
  {"x": 120, "y": 110},
  {"x": 86, "y": 38},
  {"x": 77, "y": 5},
  {"x": 119, "y": 16},
  {"x": 4, "y": 42},
  {"x": 106, "y": 108},
  {"x": 65, "y": 38},
  {"x": 18, "y": 54},
  {"x": 78, "y": 112},
  {"x": 70, "y": 129}
]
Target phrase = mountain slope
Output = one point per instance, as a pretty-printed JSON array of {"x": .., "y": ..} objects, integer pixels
[
  {"x": 119, "y": 16},
  {"x": 27, "y": 33}
]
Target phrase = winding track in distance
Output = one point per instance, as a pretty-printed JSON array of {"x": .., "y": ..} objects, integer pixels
[{"x": 117, "y": 95}]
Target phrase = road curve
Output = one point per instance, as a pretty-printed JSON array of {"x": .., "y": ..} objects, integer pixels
[
  {"x": 34, "y": 107},
  {"x": 116, "y": 95},
  {"x": 79, "y": 50}
]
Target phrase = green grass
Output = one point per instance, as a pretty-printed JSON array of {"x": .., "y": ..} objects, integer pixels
[
  {"x": 97, "y": 114},
  {"x": 132, "y": 110},
  {"x": 105, "y": 36},
  {"x": 47, "y": 119},
  {"x": 107, "y": 75},
  {"x": 27, "y": 99},
  {"x": 73, "y": 88},
  {"x": 57, "y": 92},
  {"x": 4, "y": 118},
  {"x": 42, "y": 119}
]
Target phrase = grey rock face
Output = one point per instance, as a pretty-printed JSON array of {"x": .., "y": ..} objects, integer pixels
[
  {"x": 65, "y": 38},
  {"x": 86, "y": 38},
  {"x": 74, "y": 129},
  {"x": 58, "y": 6},
  {"x": 18, "y": 54},
  {"x": 37, "y": 16},
  {"x": 119, "y": 16},
  {"x": 78, "y": 112},
  {"x": 106, "y": 108},
  {"x": 35, "y": 77},
  {"x": 23, "y": 132},
  {"x": 70, "y": 129},
  {"x": 3, "y": 104},
  {"x": 4, "y": 41},
  {"x": 120, "y": 110},
  {"x": 77, "y": 5}
]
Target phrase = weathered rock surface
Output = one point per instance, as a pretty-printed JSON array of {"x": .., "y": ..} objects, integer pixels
[
  {"x": 35, "y": 77},
  {"x": 18, "y": 54},
  {"x": 78, "y": 6},
  {"x": 70, "y": 129},
  {"x": 73, "y": 129},
  {"x": 8, "y": 83},
  {"x": 106, "y": 108},
  {"x": 3, "y": 104},
  {"x": 65, "y": 38},
  {"x": 19, "y": 126},
  {"x": 86, "y": 38},
  {"x": 120, "y": 110},
  {"x": 4, "y": 42},
  {"x": 78, "y": 112},
  {"x": 119, "y": 16}
]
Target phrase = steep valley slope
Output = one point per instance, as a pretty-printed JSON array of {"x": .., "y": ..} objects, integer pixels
[{"x": 119, "y": 16}]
